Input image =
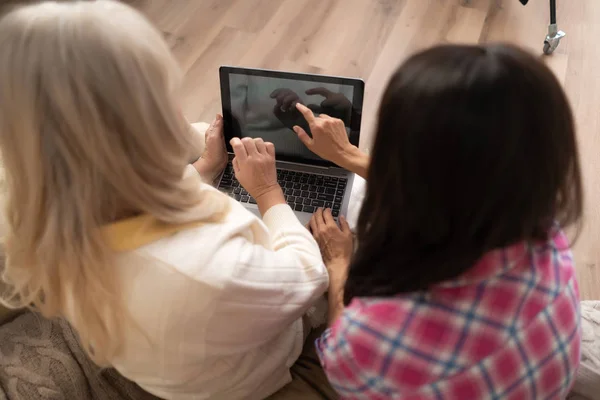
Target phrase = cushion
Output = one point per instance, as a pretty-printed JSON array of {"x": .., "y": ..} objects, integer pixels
[{"x": 587, "y": 384}]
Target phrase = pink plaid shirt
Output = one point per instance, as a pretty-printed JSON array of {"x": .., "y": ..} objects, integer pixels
[{"x": 507, "y": 329}]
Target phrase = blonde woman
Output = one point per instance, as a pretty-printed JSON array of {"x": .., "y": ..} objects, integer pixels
[{"x": 175, "y": 285}]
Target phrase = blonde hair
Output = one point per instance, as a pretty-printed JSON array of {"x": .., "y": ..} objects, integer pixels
[{"x": 90, "y": 132}]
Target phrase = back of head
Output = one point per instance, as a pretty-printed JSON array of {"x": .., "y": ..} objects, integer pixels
[
  {"x": 475, "y": 150},
  {"x": 90, "y": 132}
]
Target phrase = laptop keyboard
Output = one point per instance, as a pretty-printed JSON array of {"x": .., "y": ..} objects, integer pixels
[{"x": 303, "y": 191}]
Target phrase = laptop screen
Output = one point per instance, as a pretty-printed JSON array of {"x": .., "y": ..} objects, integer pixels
[{"x": 262, "y": 104}]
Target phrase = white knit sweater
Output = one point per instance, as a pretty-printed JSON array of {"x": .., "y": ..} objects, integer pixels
[{"x": 221, "y": 302}]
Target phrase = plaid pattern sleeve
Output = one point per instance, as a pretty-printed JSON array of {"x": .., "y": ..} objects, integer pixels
[{"x": 508, "y": 329}]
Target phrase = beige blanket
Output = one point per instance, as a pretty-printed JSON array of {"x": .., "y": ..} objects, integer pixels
[
  {"x": 587, "y": 386},
  {"x": 42, "y": 359}
]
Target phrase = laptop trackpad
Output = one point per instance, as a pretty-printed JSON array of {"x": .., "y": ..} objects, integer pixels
[{"x": 303, "y": 217}]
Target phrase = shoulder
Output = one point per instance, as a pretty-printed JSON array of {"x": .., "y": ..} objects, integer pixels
[
  {"x": 208, "y": 252},
  {"x": 376, "y": 345},
  {"x": 541, "y": 279}
]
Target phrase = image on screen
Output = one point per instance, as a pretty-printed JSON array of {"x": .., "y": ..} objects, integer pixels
[{"x": 265, "y": 107}]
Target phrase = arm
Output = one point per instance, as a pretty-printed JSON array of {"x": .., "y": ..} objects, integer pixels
[
  {"x": 356, "y": 161},
  {"x": 336, "y": 245},
  {"x": 335, "y": 296},
  {"x": 271, "y": 287},
  {"x": 269, "y": 200}
]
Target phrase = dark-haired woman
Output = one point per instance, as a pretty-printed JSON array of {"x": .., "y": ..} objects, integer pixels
[{"x": 462, "y": 285}]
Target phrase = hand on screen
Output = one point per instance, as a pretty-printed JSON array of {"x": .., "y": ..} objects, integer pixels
[
  {"x": 285, "y": 108},
  {"x": 332, "y": 100},
  {"x": 286, "y": 99},
  {"x": 254, "y": 166},
  {"x": 329, "y": 137},
  {"x": 335, "y": 104}
]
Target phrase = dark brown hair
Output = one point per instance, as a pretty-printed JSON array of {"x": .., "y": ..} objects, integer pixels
[{"x": 475, "y": 150}]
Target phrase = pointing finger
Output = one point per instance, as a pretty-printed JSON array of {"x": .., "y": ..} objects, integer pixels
[
  {"x": 303, "y": 136},
  {"x": 306, "y": 112}
]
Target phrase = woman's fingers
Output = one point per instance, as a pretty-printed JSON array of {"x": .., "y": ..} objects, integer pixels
[
  {"x": 270, "y": 148},
  {"x": 318, "y": 216},
  {"x": 260, "y": 145},
  {"x": 246, "y": 150},
  {"x": 215, "y": 132},
  {"x": 250, "y": 146},
  {"x": 327, "y": 217},
  {"x": 209, "y": 131},
  {"x": 313, "y": 226},
  {"x": 215, "y": 124},
  {"x": 303, "y": 136},
  {"x": 306, "y": 113},
  {"x": 218, "y": 124},
  {"x": 276, "y": 93},
  {"x": 319, "y": 90},
  {"x": 239, "y": 149},
  {"x": 344, "y": 224},
  {"x": 288, "y": 101}
]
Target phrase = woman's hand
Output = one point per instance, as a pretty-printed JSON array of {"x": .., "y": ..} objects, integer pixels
[
  {"x": 336, "y": 243},
  {"x": 214, "y": 159},
  {"x": 286, "y": 99},
  {"x": 333, "y": 101},
  {"x": 254, "y": 167},
  {"x": 330, "y": 141}
]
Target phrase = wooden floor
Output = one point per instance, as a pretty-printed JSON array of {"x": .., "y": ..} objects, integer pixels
[{"x": 368, "y": 39}]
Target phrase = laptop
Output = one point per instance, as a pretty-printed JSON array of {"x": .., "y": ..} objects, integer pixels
[{"x": 261, "y": 103}]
